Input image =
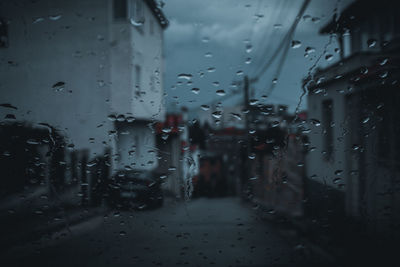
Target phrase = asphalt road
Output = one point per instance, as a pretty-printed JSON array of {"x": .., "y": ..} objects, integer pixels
[{"x": 201, "y": 232}]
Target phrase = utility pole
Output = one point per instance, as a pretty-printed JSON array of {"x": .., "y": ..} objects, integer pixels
[
  {"x": 246, "y": 151},
  {"x": 246, "y": 91}
]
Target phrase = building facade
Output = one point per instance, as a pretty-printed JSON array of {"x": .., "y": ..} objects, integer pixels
[
  {"x": 352, "y": 167},
  {"x": 90, "y": 70}
]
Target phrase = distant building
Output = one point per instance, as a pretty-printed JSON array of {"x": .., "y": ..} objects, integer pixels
[
  {"x": 92, "y": 70},
  {"x": 353, "y": 163},
  {"x": 178, "y": 155}
]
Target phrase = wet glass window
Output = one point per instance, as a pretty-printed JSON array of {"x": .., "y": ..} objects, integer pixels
[{"x": 199, "y": 133}]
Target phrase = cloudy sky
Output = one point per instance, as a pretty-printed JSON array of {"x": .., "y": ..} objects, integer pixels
[{"x": 215, "y": 41}]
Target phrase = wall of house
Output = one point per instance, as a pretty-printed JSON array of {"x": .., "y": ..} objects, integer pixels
[
  {"x": 137, "y": 66},
  {"x": 320, "y": 166},
  {"x": 136, "y": 147},
  {"x": 64, "y": 42}
]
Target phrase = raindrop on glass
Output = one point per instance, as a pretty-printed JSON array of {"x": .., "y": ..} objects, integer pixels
[
  {"x": 296, "y": 44},
  {"x": 371, "y": 43},
  {"x": 185, "y": 76},
  {"x": 205, "y": 107},
  {"x": 220, "y": 92},
  {"x": 196, "y": 90},
  {"x": 328, "y": 57}
]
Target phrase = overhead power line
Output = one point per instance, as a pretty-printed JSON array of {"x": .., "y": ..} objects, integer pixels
[{"x": 284, "y": 44}]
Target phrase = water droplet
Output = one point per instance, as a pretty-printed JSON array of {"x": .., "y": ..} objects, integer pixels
[
  {"x": 130, "y": 119},
  {"x": 167, "y": 130},
  {"x": 365, "y": 120},
  {"x": 185, "y": 76},
  {"x": 136, "y": 23},
  {"x": 208, "y": 54},
  {"x": 37, "y": 20},
  {"x": 236, "y": 116},
  {"x": 239, "y": 73},
  {"x": 315, "y": 122},
  {"x": 205, "y": 107},
  {"x": 196, "y": 90},
  {"x": 371, "y": 43},
  {"x": 383, "y": 74},
  {"x": 328, "y": 57},
  {"x": 91, "y": 164},
  {"x": 217, "y": 114},
  {"x": 383, "y": 61},
  {"x": 277, "y": 26},
  {"x": 275, "y": 123},
  {"x": 32, "y": 142},
  {"x": 122, "y": 233},
  {"x": 338, "y": 172},
  {"x": 248, "y": 60},
  {"x": 58, "y": 86},
  {"x": 296, "y": 44},
  {"x": 172, "y": 168},
  {"x": 253, "y": 102},
  {"x": 121, "y": 118},
  {"x": 205, "y": 39},
  {"x": 364, "y": 70},
  {"x": 309, "y": 50},
  {"x": 355, "y": 147},
  {"x": 211, "y": 69},
  {"x": 337, "y": 180},
  {"x": 112, "y": 117},
  {"x": 249, "y": 48},
  {"x": 55, "y": 17},
  {"x": 220, "y": 92}
]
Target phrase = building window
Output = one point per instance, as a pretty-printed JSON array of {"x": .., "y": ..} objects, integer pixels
[
  {"x": 346, "y": 44},
  {"x": 3, "y": 34},
  {"x": 151, "y": 27},
  {"x": 152, "y": 83},
  {"x": 137, "y": 80},
  {"x": 327, "y": 120},
  {"x": 137, "y": 143},
  {"x": 120, "y": 9}
]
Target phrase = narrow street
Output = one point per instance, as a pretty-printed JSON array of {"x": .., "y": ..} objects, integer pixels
[{"x": 202, "y": 232}]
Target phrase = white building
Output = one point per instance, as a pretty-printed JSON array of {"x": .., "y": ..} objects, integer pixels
[
  {"x": 72, "y": 64},
  {"x": 93, "y": 70}
]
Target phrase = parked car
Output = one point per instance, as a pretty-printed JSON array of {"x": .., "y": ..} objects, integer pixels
[{"x": 136, "y": 189}]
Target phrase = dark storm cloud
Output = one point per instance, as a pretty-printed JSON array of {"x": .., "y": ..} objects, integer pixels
[{"x": 231, "y": 26}]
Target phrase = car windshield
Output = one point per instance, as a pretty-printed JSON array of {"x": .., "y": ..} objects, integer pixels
[{"x": 197, "y": 133}]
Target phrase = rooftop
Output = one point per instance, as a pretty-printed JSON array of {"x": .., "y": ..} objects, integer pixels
[{"x": 157, "y": 13}]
